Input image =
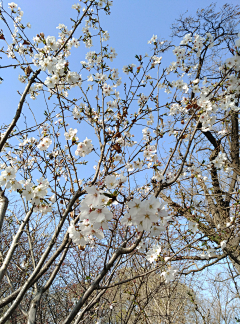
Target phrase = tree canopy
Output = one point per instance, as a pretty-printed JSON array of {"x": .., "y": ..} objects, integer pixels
[{"x": 120, "y": 189}]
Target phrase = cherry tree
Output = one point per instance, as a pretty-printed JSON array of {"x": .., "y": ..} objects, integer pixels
[{"x": 119, "y": 169}]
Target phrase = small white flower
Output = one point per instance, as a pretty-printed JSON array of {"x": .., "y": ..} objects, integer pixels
[
  {"x": 223, "y": 244},
  {"x": 169, "y": 275},
  {"x": 192, "y": 226},
  {"x": 111, "y": 181},
  {"x": 12, "y": 5}
]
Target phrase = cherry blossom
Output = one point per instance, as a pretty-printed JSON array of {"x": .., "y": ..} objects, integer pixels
[
  {"x": 44, "y": 144},
  {"x": 169, "y": 275}
]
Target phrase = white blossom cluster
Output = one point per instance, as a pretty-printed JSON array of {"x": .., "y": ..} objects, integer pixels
[
  {"x": 128, "y": 68},
  {"x": 220, "y": 160},
  {"x": 208, "y": 117},
  {"x": 153, "y": 39},
  {"x": 150, "y": 155},
  {"x": 125, "y": 140},
  {"x": 17, "y": 13},
  {"x": 156, "y": 59},
  {"x": 176, "y": 108},
  {"x": 207, "y": 108},
  {"x": 146, "y": 215},
  {"x": 193, "y": 226},
  {"x": 180, "y": 53},
  {"x": 209, "y": 253},
  {"x": 170, "y": 274},
  {"x": 71, "y": 134},
  {"x": 77, "y": 110},
  {"x": 29, "y": 191},
  {"x": 142, "y": 100},
  {"x": 92, "y": 58},
  {"x": 84, "y": 148},
  {"x": 186, "y": 39},
  {"x": 158, "y": 176},
  {"x": 111, "y": 181},
  {"x": 152, "y": 256},
  {"x": 94, "y": 217},
  {"x": 44, "y": 144},
  {"x": 107, "y": 89},
  {"x": 153, "y": 253},
  {"x": 233, "y": 61},
  {"x": 7, "y": 179},
  {"x": 95, "y": 214},
  {"x": 12, "y": 5},
  {"x": 181, "y": 85},
  {"x": 27, "y": 140},
  {"x": 198, "y": 43},
  {"x": 56, "y": 66}
]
